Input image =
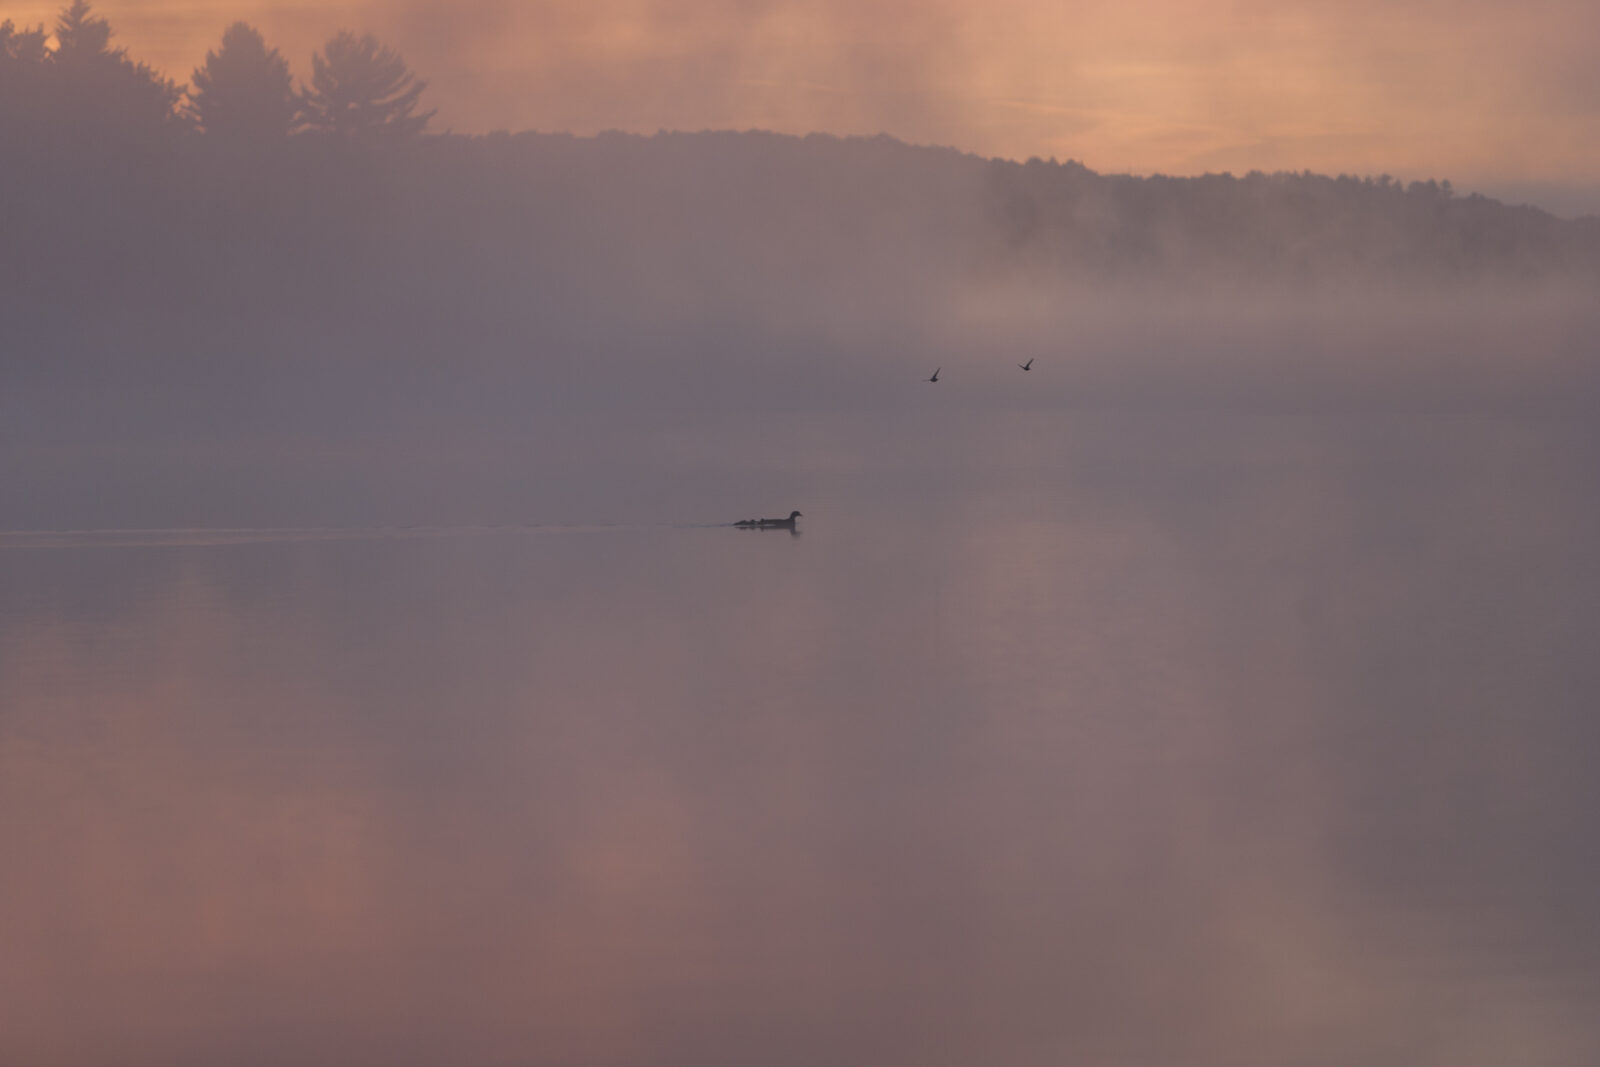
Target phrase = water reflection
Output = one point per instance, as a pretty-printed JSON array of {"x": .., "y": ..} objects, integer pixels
[{"x": 1193, "y": 751}]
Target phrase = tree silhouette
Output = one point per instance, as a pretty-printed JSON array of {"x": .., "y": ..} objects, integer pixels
[
  {"x": 99, "y": 88},
  {"x": 243, "y": 91},
  {"x": 362, "y": 90},
  {"x": 23, "y": 65},
  {"x": 20, "y": 49}
]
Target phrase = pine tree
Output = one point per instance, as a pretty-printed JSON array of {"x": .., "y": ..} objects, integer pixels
[
  {"x": 98, "y": 87},
  {"x": 361, "y": 90},
  {"x": 243, "y": 91},
  {"x": 24, "y": 65},
  {"x": 21, "y": 49}
]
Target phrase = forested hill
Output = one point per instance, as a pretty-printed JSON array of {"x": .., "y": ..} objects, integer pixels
[
  {"x": 189, "y": 239},
  {"x": 141, "y": 220},
  {"x": 184, "y": 215}
]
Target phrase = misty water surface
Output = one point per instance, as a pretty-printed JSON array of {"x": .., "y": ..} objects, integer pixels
[
  {"x": 380, "y": 683},
  {"x": 1129, "y": 736}
]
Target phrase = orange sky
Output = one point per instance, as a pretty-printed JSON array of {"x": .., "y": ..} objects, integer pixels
[{"x": 1491, "y": 95}]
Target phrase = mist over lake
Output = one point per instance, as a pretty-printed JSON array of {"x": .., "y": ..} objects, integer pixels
[
  {"x": 1199, "y": 671},
  {"x": 1240, "y": 738}
]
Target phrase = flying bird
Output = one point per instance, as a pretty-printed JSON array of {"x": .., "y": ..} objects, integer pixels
[
  {"x": 1026, "y": 366},
  {"x": 935, "y": 375}
]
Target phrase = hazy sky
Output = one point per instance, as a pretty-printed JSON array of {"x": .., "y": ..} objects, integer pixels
[{"x": 1492, "y": 95}]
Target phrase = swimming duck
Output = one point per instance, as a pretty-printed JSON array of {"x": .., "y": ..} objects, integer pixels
[{"x": 770, "y": 524}]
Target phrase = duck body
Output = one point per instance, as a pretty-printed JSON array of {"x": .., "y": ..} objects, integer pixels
[{"x": 770, "y": 524}]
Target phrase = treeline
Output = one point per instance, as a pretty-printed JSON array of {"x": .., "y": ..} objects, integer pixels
[
  {"x": 85, "y": 91},
  {"x": 248, "y": 220},
  {"x": 1287, "y": 227}
]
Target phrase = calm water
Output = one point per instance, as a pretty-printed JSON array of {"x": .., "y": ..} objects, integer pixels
[{"x": 1229, "y": 740}]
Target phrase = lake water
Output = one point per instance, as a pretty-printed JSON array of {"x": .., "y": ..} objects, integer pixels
[{"x": 1129, "y": 739}]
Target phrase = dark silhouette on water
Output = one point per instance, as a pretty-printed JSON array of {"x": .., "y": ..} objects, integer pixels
[
  {"x": 935, "y": 375},
  {"x": 1026, "y": 366},
  {"x": 770, "y": 524}
]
